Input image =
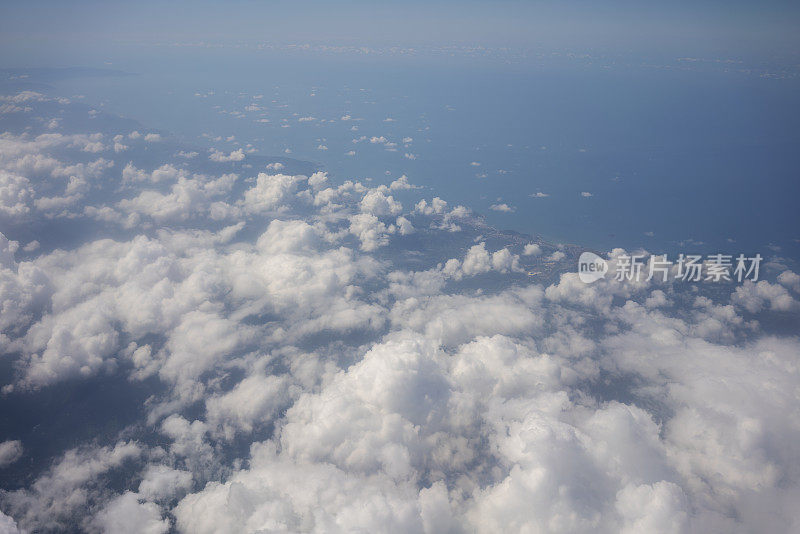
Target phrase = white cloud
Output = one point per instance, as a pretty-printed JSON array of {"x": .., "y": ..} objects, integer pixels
[
  {"x": 187, "y": 198},
  {"x": 7, "y": 525},
  {"x": 309, "y": 374},
  {"x": 478, "y": 260},
  {"x": 67, "y": 487},
  {"x": 755, "y": 296},
  {"x": 161, "y": 482},
  {"x": 16, "y": 195},
  {"x": 404, "y": 226},
  {"x": 505, "y": 208},
  {"x": 532, "y": 249},
  {"x": 790, "y": 280},
  {"x": 126, "y": 514},
  {"x": 269, "y": 192},
  {"x": 164, "y": 173},
  {"x": 236, "y": 155},
  {"x": 255, "y": 400},
  {"x": 370, "y": 231},
  {"x": 377, "y": 203},
  {"x": 436, "y": 206},
  {"x": 10, "y": 452}
]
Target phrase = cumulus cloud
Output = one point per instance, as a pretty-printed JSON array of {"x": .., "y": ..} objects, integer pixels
[
  {"x": 218, "y": 156},
  {"x": 790, "y": 280},
  {"x": 377, "y": 203},
  {"x": 10, "y": 452},
  {"x": 160, "y": 482},
  {"x": 7, "y": 524},
  {"x": 306, "y": 372},
  {"x": 164, "y": 173},
  {"x": 505, "y": 208},
  {"x": 126, "y": 514},
  {"x": 756, "y": 296},
  {"x": 269, "y": 192},
  {"x": 69, "y": 486},
  {"x": 187, "y": 198},
  {"x": 532, "y": 249},
  {"x": 370, "y": 231},
  {"x": 16, "y": 195},
  {"x": 478, "y": 260}
]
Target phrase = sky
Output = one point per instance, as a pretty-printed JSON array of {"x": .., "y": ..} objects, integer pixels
[
  {"x": 248, "y": 286},
  {"x": 744, "y": 28}
]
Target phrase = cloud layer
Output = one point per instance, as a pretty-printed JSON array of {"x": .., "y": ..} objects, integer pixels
[{"x": 356, "y": 358}]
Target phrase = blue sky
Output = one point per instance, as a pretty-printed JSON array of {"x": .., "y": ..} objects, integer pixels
[
  {"x": 760, "y": 28},
  {"x": 250, "y": 289}
]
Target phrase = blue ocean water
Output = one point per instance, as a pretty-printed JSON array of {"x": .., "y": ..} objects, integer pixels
[{"x": 599, "y": 154}]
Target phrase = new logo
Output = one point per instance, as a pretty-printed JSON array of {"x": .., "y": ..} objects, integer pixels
[{"x": 591, "y": 267}]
